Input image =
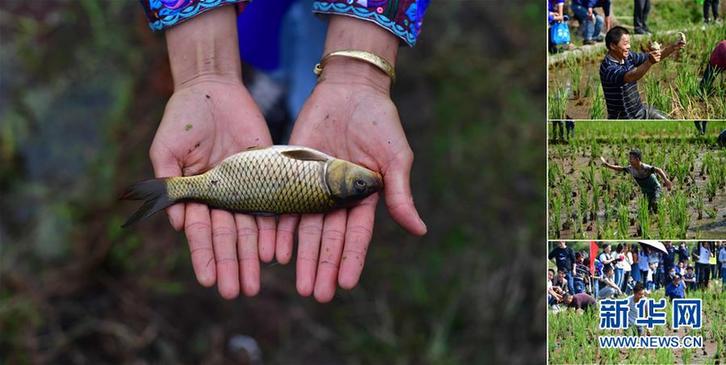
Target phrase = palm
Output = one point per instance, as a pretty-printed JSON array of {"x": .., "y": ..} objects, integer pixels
[
  {"x": 204, "y": 123},
  {"x": 361, "y": 125}
]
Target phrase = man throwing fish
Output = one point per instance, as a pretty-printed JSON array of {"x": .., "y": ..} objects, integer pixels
[
  {"x": 620, "y": 71},
  {"x": 645, "y": 176}
]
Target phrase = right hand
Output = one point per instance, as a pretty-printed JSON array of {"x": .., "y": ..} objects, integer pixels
[
  {"x": 205, "y": 121},
  {"x": 654, "y": 56}
]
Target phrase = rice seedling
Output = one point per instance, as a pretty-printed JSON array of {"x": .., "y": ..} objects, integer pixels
[
  {"x": 557, "y": 103},
  {"x": 597, "y": 108},
  {"x": 575, "y": 76},
  {"x": 643, "y": 218},
  {"x": 556, "y": 210},
  {"x": 623, "y": 222},
  {"x": 655, "y": 96}
]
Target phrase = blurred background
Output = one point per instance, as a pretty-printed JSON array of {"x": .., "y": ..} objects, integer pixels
[{"x": 83, "y": 87}]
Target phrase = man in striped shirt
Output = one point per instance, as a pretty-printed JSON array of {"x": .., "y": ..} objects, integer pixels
[{"x": 619, "y": 74}]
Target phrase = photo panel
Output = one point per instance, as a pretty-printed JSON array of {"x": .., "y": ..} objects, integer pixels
[
  {"x": 636, "y": 302},
  {"x": 636, "y": 60},
  {"x": 636, "y": 180}
]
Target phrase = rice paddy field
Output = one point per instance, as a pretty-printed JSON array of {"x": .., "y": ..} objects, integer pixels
[
  {"x": 588, "y": 200},
  {"x": 672, "y": 86},
  {"x": 572, "y": 335}
]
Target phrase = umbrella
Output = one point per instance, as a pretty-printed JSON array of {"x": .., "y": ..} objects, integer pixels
[{"x": 655, "y": 244}]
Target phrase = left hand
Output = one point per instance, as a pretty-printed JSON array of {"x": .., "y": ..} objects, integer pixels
[
  {"x": 350, "y": 116},
  {"x": 668, "y": 184}
]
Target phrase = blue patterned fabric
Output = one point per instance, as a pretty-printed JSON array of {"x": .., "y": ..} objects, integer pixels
[
  {"x": 163, "y": 14},
  {"x": 403, "y": 18}
]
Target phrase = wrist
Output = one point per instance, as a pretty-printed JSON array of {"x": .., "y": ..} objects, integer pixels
[
  {"x": 205, "y": 49},
  {"x": 347, "y": 33},
  {"x": 356, "y": 73}
]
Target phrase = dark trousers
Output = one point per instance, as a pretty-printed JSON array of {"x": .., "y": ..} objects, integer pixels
[
  {"x": 701, "y": 126},
  {"x": 703, "y": 274},
  {"x": 713, "y": 4},
  {"x": 640, "y": 15},
  {"x": 557, "y": 124},
  {"x": 570, "y": 126}
]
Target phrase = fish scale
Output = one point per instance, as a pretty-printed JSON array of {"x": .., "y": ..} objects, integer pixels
[
  {"x": 259, "y": 181},
  {"x": 272, "y": 180}
]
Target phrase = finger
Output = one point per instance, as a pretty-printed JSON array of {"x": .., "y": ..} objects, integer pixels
[
  {"x": 330, "y": 251},
  {"x": 198, "y": 229},
  {"x": 249, "y": 259},
  {"x": 224, "y": 239},
  {"x": 399, "y": 201},
  {"x": 267, "y": 230},
  {"x": 285, "y": 233},
  {"x": 308, "y": 237},
  {"x": 358, "y": 233},
  {"x": 165, "y": 165}
]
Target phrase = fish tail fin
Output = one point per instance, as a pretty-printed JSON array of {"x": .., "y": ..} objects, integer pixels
[{"x": 154, "y": 194}]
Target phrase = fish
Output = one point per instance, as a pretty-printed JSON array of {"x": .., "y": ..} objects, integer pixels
[
  {"x": 682, "y": 37},
  {"x": 272, "y": 180},
  {"x": 654, "y": 46}
]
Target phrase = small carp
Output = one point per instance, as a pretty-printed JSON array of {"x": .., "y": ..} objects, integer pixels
[
  {"x": 654, "y": 46},
  {"x": 682, "y": 37},
  {"x": 272, "y": 180}
]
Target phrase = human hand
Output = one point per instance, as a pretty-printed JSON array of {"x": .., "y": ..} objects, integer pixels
[
  {"x": 590, "y": 15},
  {"x": 351, "y": 118},
  {"x": 654, "y": 56},
  {"x": 205, "y": 121},
  {"x": 668, "y": 184}
]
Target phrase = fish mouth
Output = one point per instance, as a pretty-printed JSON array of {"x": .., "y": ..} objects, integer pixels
[{"x": 376, "y": 183}]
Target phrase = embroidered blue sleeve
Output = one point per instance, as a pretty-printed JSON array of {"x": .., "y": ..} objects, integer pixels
[
  {"x": 403, "y": 18},
  {"x": 163, "y": 14}
]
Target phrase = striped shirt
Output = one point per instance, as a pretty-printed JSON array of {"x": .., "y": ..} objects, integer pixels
[{"x": 622, "y": 99}]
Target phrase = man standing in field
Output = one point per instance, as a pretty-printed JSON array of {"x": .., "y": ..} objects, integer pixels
[
  {"x": 619, "y": 74},
  {"x": 638, "y": 295},
  {"x": 645, "y": 176},
  {"x": 564, "y": 258}
]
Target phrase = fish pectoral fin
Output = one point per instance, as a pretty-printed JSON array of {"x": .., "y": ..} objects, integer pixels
[{"x": 306, "y": 155}]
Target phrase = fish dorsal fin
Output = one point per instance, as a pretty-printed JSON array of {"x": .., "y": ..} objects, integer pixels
[{"x": 305, "y": 155}]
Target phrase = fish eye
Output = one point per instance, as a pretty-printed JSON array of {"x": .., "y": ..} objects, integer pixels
[{"x": 360, "y": 184}]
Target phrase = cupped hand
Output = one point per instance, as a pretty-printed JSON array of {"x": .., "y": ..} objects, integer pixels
[
  {"x": 205, "y": 121},
  {"x": 359, "y": 123}
]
